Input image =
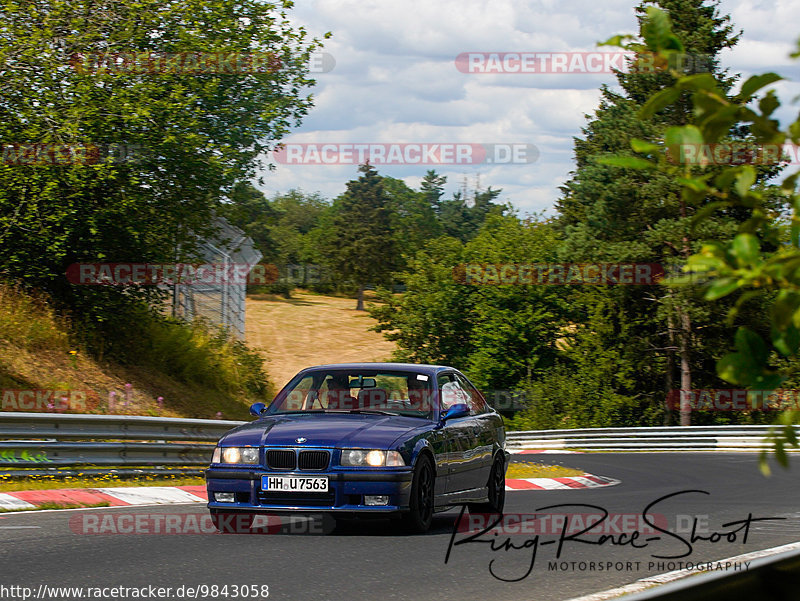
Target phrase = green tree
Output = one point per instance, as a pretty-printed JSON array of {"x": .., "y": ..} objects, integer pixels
[
  {"x": 433, "y": 188},
  {"x": 461, "y": 220},
  {"x": 280, "y": 228},
  {"x": 761, "y": 263},
  {"x": 248, "y": 209},
  {"x": 189, "y": 136},
  {"x": 611, "y": 214},
  {"x": 297, "y": 214},
  {"x": 359, "y": 244},
  {"x": 414, "y": 219},
  {"x": 502, "y": 335},
  {"x": 432, "y": 321}
]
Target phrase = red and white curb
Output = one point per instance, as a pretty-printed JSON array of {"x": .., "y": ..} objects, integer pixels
[
  {"x": 585, "y": 481},
  {"x": 169, "y": 495},
  {"x": 115, "y": 497}
]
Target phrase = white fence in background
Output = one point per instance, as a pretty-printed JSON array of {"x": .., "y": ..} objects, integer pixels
[
  {"x": 222, "y": 304},
  {"x": 674, "y": 438}
]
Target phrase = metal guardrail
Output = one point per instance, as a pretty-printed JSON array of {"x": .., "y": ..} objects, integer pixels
[
  {"x": 675, "y": 438},
  {"x": 126, "y": 427},
  {"x": 47, "y": 441}
]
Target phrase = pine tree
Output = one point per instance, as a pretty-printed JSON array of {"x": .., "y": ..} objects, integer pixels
[
  {"x": 610, "y": 214},
  {"x": 360, "y": 245},
  {"x": 433, "y": 188}
]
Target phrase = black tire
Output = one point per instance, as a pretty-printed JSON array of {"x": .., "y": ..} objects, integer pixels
[
  {"x": 497, "y": 489},
  {"x": 419, "y": 518},
  {"x": 229, "y": 522}
]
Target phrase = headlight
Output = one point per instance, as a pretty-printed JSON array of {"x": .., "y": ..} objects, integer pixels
[
  {"x": 371, "y": 458},
  {"x": 235, "y": 455}
]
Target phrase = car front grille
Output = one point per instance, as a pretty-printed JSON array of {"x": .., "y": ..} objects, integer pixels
[
  {"x": 290, "y": 459},
  {"x": 314, "y": 460},
  {"x": 281, "y": 459}
]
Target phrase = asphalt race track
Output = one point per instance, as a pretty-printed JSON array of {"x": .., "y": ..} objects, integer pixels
[{"x": 367, "y": 562}]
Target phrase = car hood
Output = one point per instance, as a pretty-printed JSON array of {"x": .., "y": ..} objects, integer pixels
[{"x": 359, "y": 430}]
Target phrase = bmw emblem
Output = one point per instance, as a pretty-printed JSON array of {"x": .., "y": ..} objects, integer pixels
[{"x": 300, "y": 440}]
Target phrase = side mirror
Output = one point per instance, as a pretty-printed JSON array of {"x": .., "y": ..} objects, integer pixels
[
  {"x": 257, "y": 409},
  {"x": 457, "y": 410}
]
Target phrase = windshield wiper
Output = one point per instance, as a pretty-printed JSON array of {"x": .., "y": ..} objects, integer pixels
[{"x": 376, "y": 411}]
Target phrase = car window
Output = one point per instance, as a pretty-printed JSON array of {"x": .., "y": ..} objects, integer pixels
[
  {"x": 335, "y": 393},
  {"x": 298, "y": 398},
  {"x": 400, "y": 392},
  {"x": 451, "y": 392},
  {"x": 477, "y": 404}
]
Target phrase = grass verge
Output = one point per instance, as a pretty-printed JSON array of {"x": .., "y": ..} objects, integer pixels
[
  {"x": 57, "y": 506},
  {"x": 529, "y": 469},
  {"x": 152, "y": 365},
  {"x": 107, "y": 481}
]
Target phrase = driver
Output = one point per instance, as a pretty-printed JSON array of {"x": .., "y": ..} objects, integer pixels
[{"x": 338, "y": 395}]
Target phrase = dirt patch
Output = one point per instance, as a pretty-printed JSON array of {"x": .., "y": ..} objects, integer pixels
[{"x": 310, "y": 329}]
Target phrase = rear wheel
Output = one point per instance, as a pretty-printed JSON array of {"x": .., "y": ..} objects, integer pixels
[
  {"x": 497, "y": 489},
  {"x": 419, "y": 518}
]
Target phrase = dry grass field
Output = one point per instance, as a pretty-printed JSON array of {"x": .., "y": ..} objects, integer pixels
[{"x": 310, "y": 329}]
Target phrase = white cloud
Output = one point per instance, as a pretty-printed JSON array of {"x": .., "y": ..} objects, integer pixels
[{"x": 396, "y": 80}]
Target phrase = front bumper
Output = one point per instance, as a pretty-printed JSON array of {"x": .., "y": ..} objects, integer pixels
[{"x": 345, "y": 495}]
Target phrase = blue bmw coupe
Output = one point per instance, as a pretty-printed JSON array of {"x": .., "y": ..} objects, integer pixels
[{"x": 360, "y": 440}]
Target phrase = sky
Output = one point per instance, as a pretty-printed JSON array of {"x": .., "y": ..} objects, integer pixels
[{"x": 396, "y": 85}]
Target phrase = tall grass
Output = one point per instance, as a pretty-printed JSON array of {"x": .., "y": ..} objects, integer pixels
[
  {"x": 193, "y": 353},
  {"x": 203, "y": 354},
  {"x": 28, "y": 320}
]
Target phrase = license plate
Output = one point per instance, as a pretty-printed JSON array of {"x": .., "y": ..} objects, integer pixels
[{"x": 294, "y": 483}]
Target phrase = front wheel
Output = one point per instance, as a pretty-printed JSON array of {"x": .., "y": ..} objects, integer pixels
[
  {"x": 497, "y": 489},
  {"x": 419, "y": 518}
]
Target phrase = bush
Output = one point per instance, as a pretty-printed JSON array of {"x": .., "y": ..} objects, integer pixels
[
  {"x": 567, "y": 398},
  {"x": 283, "y": 288},
  {"x": 197, "y": 353}
]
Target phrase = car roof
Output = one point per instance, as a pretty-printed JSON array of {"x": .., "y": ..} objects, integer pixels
[{"x": 410, "y": 367}]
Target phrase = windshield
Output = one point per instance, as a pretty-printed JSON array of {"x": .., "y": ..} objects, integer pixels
[{"x": 358, "y": 391}]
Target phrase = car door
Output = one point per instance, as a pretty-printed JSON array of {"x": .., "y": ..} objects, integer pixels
[
  {"x": 460, "y": 436},
  {"x": 483, "y": 433}
]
